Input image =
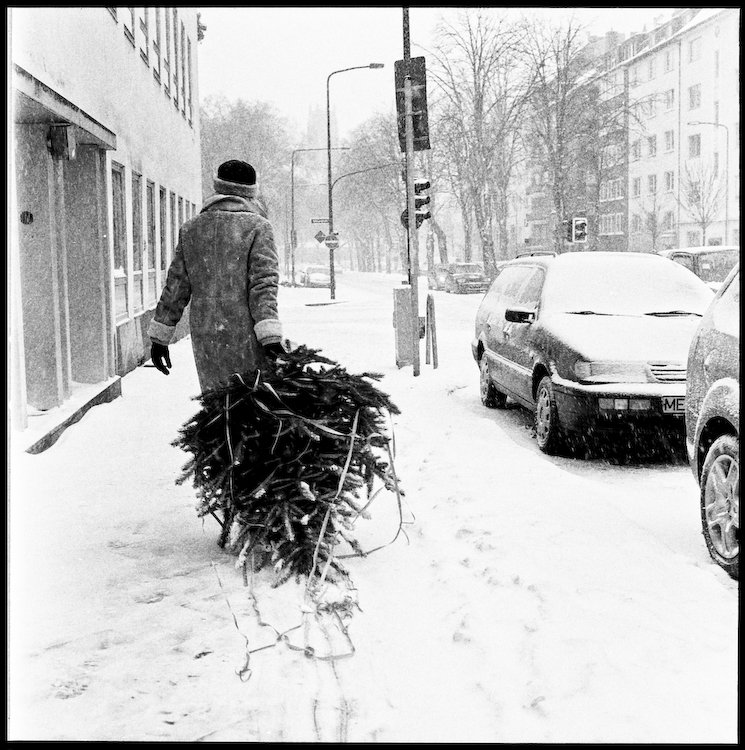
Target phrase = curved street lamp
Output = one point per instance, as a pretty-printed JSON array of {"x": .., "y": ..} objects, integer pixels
[
  {"x": 328, "y": 149},
  {"x": 726, "y": 177}
]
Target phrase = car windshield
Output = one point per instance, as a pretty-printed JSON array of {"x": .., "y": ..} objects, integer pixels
[
  {"x": 466, "y": 268},
  {"x": 715, "y": 266},
  {"x": 622, "y": 284}
]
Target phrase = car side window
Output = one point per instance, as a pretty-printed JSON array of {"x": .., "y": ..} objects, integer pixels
[
  {"x": 530, "y": 292},
  {"x": 726, "y": 312},
  {"x": 684, "y": 260},
  {"x": 507, "y": 285}
]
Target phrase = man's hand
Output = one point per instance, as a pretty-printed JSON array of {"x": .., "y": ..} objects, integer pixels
[
  {"x": 161, "y": 358},
  {"x": 274, "y": 351}
]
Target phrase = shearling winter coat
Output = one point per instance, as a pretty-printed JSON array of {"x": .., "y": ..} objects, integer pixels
[{"x": 226, "y": 264}]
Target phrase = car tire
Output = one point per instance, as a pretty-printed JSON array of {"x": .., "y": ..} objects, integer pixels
[
  {"x": 549, "y": 435},
  {"x": 720, "y": 503},
  {"x": 490, "y": 396}
]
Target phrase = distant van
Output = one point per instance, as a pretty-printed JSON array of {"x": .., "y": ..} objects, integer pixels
[{"x": 712, "y": 263}]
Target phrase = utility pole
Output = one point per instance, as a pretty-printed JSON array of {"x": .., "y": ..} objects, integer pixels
[{"x": 410, "y": 196}]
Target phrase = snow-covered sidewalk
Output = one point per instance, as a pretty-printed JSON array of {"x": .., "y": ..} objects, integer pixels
[{"x": 520, "y": 605}]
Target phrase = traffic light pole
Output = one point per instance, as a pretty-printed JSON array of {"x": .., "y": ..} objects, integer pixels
[{"x": 410, "y": 195}]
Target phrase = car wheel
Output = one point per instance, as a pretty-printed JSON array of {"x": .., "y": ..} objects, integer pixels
[
  {"x": 720, "y": 503},
  {"x": 548, "y": 431},
  {"x": 490, "y": 396}
]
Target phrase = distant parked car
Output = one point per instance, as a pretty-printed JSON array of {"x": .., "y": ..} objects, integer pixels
[
  {"x": 315, "y": 276},
  {"x": 711, "y": 263},
  {"x": 594, "y": 343},
  {"x": 713, "y": 422},
  {"x": 459, "y": 278}
]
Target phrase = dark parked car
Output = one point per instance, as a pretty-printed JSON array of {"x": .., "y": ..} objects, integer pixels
[
  {"x": 713, "y": 422},
  {"x": 711, "y": 263},
  {"x": 459, "y": 278},
  {"x": 592, "y": 342}
]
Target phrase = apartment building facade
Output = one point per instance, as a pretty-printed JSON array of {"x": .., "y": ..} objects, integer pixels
[
  {"x": 673, "y": 170},
  {"x": 104, "y": 168}
]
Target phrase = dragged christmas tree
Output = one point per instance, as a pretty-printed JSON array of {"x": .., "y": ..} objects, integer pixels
[{"x": 287, "y": 460}]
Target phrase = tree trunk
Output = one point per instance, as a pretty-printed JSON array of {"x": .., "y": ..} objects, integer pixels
[{"x": 442, "y": 240}]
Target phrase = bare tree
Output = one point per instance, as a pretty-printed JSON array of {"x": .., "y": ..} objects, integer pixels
[
  {"x": 701, "y": 195},
  {"x": 476, "y": 76},
  {"x": 563, "y": 114}
]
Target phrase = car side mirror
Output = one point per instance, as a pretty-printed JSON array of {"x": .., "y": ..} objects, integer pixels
[{"x": 519, "y": 315}]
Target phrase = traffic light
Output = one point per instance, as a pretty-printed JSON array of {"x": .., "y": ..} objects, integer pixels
[
  {"x": 567, "y": 230},
  {"x": 579, "y": 229},
  {"x": 421, "y": 200},
  {"x": 418, "y": 73}
]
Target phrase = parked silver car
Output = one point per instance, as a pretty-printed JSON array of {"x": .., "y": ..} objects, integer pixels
[{"x": 712, "y": 416}]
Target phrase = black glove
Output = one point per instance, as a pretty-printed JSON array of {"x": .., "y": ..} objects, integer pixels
[
  {"x": 274, "y": 351},
  {"x": 160, "y": 356}
]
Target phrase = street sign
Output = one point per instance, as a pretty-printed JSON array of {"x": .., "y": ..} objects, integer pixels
[
  {"x": 332, "y": 244},
  {"x": 320, "y": 236},
  {"x": 319, "y": 221}
]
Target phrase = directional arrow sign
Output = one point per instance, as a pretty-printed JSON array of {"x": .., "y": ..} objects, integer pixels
[{"x": 320, "y": 236}]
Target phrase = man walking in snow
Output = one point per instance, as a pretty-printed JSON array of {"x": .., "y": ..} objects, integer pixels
[{"x": 226, "y": 264}]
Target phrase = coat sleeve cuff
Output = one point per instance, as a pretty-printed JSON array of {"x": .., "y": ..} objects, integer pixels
[
  {"x": 160, "y": 332},
  {"x": 268, "y": 331}
]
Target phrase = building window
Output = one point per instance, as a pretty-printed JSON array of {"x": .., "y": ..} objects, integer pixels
[
  {"x": 669, "y": 140},
  {"x": 634, "y": 76},
  {"x": 636, "y": 186},
  {"x": 167, "y": 54},
  {"x": 668, "y": 221},
  {"x": 636, "y": 223},
  {"x": 669, "y": 182},
  {"x": 611, "y": 190},
  {"x": 669, "y": 98},
  {"x": 156, "y": 45},
  {"x": 651, "y": 68},
  {"x": 694, "y": 146},
  {"x": 150, "y": 246},
  {"x": 129, "y": 26},
  {"x": 611, "y": 223},
  {"x": 652, "y": 145},
  {"x": 652, "y": 183},
  {"x": 694, "y": 96},
  {"x": 188, "y": 62},
  {"x": 669, "y": 61},
  {"x": 145, "y": 29},
  {"x": 174, "y": 225},
  {"x": 163, "y": 211},
  {"x": 693, "y": 239},
  {"x": 636, "y": 149},
  {"x": 183, "y": 69},
  {"x": 137, "y": 242},
  {"x": 694, "y": 49},
  {"x": 119, "y": 235},
  {"x": 174, "y": 71}
]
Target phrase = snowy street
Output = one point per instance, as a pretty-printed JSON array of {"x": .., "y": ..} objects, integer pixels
[{"x": 532, "y": 599}]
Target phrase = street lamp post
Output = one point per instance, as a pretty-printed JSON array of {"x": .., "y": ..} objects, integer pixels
[
  {"x": 726, "y": 178},
  {"x": 328, "y": 149},
  {"x": 293, "y": 233}
]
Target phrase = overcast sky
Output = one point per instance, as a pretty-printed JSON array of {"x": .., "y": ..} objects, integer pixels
[{"x": 284, "y": 55}]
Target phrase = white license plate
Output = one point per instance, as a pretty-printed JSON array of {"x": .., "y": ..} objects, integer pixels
[{"x": 673, "y": 405}]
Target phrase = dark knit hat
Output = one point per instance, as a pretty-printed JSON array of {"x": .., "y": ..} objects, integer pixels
[{"x": 237, "y": 171}]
